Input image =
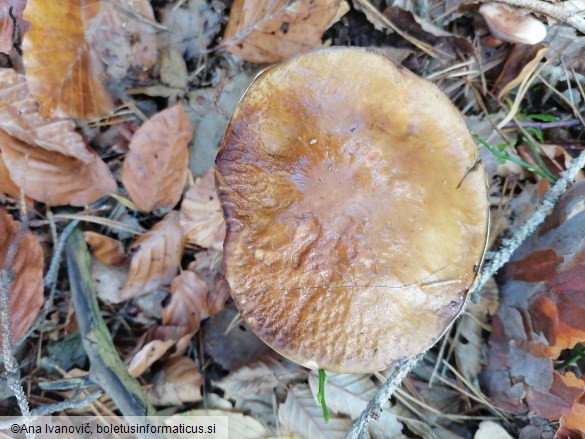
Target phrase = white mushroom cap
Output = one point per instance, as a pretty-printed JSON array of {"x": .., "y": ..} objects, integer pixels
[{"x": 512, "y": 25}]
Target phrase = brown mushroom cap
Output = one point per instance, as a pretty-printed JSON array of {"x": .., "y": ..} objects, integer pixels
[{"x": 356, "y": 217}]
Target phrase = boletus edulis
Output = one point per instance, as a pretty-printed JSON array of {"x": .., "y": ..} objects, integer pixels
[{"x": 356, "y": 213}]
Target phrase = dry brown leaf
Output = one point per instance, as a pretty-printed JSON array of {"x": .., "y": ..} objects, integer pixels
[
  {"x": 208, "y": 266},
  {"x": 155, "y": 344},
  {"x": 19, "y": 117},
  {"x": 188, "y": 302},
  {"x": 267, "y": 31},
  {"x": 157, "y": 257},
  {"x": 122, "y": 36},
  {"x": 105, "y": 249},
  {"x": 7, "y": 186},
  {"x": 201, "y": 214},
  {"x": 178, "y": 382},
  {"x": 63, "y": 72},
  {"x": 26, "y": 295},
  {"x": 155, "y": 169},
  {"x": 109, "y": 280},
  {"x": 53, "y": 178},
  {"x": 6, "y": 28}
]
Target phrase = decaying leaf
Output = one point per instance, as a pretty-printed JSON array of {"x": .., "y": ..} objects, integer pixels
[
  {"x": 155, "y": 344},
  {"x": 109, "y": 280},
  {"x": 541, "y": 314},
  {"x": 26, "y": 295},
  {"x": 68, "y": 44},
  {"x": 188, "y": 302},
  {"x": 53, "y": 178},
  {"x": 155, "y": 169},
  {"x": 12, "y": 26},
  {"x": 266, "y": 31},
  {"x": 63, "y": 72},
  {"x": 348, "y": 394},
  {"x": 19, "y": 117},
  {"x": 301, "y": 414},
  {"x": 252, "y": 379},
  {"x": 201, "y": 214},
  {"x": 157, "y": 256},
  {"x": 208, "y": 266},
  {"x": 7, "y": 186},
  {"x": 105, "y": 249},
  {"x": 178, "y": 382},
  {"x": 521, "y": 62}
]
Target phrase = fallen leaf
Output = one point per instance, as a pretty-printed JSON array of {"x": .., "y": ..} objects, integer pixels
[
  {"x": 63, "y": 71},
  {"x": 239, "y": 425},
  {"x": 157, "y": 256},
  {"x": 252, "y": 379},
  {"x": 520, "y": 62},
  {"x": 105, "y": 249},
  {"x": 19, "y": 117},
  {"x": 124, "y": 36},
  {"x": 173, "y": 69},
  {"x": 155, "y": 344},
  {"x": 301, "y": 414},
  {"x": 209, "y": 266},
  {"x": 53, "y": 178},
  {"x": 572, "y": 425},
  {"x": 179, "y": 381},
  {"x": 7, "y": 186},
  {"x": 267, "y": 31},
  {"x": 109, "y": 280},
  {"x": 26, "y": 294},
  {"x": 187, "y": 306},
  {"x": 155, "y": 168},
  {"x": 6, "y": 28},
  {"x": 540, "y": 314},
  {"x": 349, "y": 394},
  {"x": 201, "y": 214}
]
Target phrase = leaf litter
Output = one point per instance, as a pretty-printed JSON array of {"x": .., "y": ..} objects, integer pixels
[{"x": 147, "y": 79}]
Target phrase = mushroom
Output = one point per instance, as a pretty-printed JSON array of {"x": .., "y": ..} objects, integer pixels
[
  {"x": 356, "y": 212},
  {"x": 512, "y": 25}
]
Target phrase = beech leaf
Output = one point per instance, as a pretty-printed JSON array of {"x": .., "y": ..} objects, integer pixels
[
  {"x": 105, "y": 249},
  {"x": 19, "y": 117},
  {"x": 188, "y": 305},
  {"x": 178, "y": 382},
  {"x": 156, "y": 167},
  {"x": 267, "y": 31},
  {"x": 26, "y": 294},
  {"x": 157, "y": 257},
  {"x": 201, "y": 214},
  {"x": 53, "y": 178},
  {"x": 301, "y": 414},
  {"x": 240, "y": 426}
]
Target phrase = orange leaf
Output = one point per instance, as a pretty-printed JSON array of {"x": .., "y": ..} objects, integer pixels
[
  {"x": 188, "y": 305},
  {"x": 105, "y": 249},
  {"x": 157, "y": 257},
  {"x": 7, "y": 186},
  {"x": 63, "y": 71},
  {"x": 201, "y": 214},
  {"x": 19, "y": 117},
  {"x": 53, "y": 178},
  {"x": 208, "y": 266},
  {"x": 26, "y": 295},
  {"x": 155, "y": 169},
  {"x": 266, "y": 31}
]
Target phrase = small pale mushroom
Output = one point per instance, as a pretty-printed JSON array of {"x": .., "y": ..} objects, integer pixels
[
  {"x": 356, "y": 212},
  {"x": 512, "y": 25}
]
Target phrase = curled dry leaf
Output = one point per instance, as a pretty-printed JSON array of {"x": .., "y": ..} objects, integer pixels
[
  {"x": 267, "y": 31},
  {"x": 540, "y": 314},
  {"x": 201, "y": 214},
  {"x": 53, "y": 178},
  {"x": 63, "y": 71},
  {"x": 7, "y": 186},
  {"x": 178, "y": 382},
  {"x": 208, "y": 265},
  {"x": 155, "y": 169},
  {"x": 188, "y": 302},
  {"x": 105, "y": 249},
  {"x": 19, "y": 117},
  {"x": 155, "y": 344},
  {"x": 26, "y": 294},
  {"x": 157, "y": 257}
]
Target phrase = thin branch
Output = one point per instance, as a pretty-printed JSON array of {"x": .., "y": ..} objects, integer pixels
[
  {"x": 13, "y": 375},
  {"x": 495, "y": 261}
]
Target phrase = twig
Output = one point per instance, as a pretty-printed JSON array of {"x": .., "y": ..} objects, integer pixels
[
  {"x": 13, "y": 375},
  {"x": 567, "y": 11},
  {"x": 106, "y": 368},
  {"x": 495, "y": 261},
  {"x": 65, "y": 405},
  {"x": 543, "y": 125}
]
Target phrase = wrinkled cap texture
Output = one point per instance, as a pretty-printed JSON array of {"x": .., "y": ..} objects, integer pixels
[{"x": 356, "y": 214}]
